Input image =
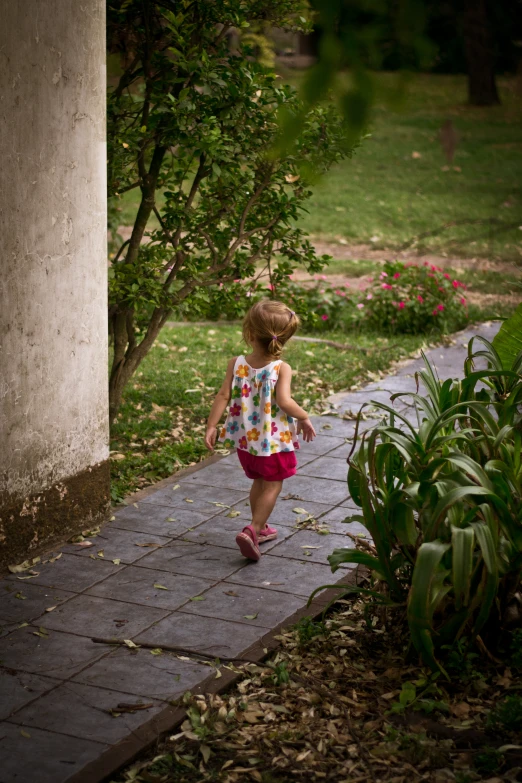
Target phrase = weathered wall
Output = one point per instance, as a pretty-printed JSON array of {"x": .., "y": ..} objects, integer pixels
[{"x": 53, "y": 275}]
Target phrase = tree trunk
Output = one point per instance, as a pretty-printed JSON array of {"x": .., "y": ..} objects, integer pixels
[
  {"x": 482, "y": 88},
  {"x": 128, "y": 355}
]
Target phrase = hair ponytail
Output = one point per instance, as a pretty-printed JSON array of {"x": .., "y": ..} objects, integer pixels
[
  {"x": 271, "y": 324},
  {"x": 275, "y": 346}
]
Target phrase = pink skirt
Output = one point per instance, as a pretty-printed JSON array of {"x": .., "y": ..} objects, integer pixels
[{"x": 275, "y": 467}]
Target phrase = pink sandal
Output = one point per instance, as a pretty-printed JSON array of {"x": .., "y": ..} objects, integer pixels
[
  {"x": 247, "y": 543},
  {"x": 267, "y": 534}
]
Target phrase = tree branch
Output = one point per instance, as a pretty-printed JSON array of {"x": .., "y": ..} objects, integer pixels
[
  {"x": 129, "y": 187},
  {"x": 118, "y": 254},
  {"x": 127, "y": 77}
]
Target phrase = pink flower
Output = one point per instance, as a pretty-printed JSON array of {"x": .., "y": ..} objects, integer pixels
[
  {"x": 455, "y": 284},
  {"x": 387, "y": 287},
  {"x": 440, "y": 307},
  {"x": 370, "y": 279},
  {"x": 420, "y": 299},
  {"x": 441, "y": 288},
  {"x": 402, "y": 305},
  {"x": 447, "y": 276},
  {"x": 383, "y": 274},
  {"x": 270, "y": 286},
  {"x": 324, "y": 317},
  {"x": 369, "y": 296},
  {"x": 323, "y": 277},
  {"x": 322, "y": 291},
  {"x": 462, "y": 300},
  {"x": 396, "y": 275},
  {"x": 435, "y": 312},
  {"x": 238, "y": 280},
  {"x": 360, "y": 306}
]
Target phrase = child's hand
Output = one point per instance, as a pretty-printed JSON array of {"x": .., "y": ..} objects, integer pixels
[
  {"x": 306, "y": 427},
  {"x": 210, "y": 438}
]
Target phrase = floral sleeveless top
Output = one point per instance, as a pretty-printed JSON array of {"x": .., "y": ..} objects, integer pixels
[{"x": 254, "y": 422}]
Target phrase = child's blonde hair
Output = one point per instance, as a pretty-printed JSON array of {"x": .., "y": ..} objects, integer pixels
[{"x": 272, "y": 324}]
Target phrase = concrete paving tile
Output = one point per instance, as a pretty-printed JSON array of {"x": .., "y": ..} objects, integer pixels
[
  {"x": 58, "y": 655},
  {"x": 356, "y": 400},
  {"x": 249, "y": 602},
  {"x": 288, "y": 576},
  {"x": 136, "y": 585},
  {"x": 219, "y": 475},
  {"x": 84, "y": 711},
  {"x": 88, "y": 615},
  {"x": 124, "y": 545},
  {"x": 201, "y": 497},
  {"x": 43, "y": 757},
  {"x": 323, "y": 491},
  {"x": 334, "y": 521},
  {"x": 66, "y": 572},
  {"x": 184, "y": 557},
  {"x": 348, "y": 503},
  {"x": 23, "y": 601},
  {"x": 322, "y": 444},
  {"x": 206, "y": 634},
  {"x": 159, "y": 520},
  {"x": 19, "y": 688},
  {"x": 162, "y": 677},
  {"x": 304, "y": 459},
  {"x": 298, "y": 547},
  {"x": 327, "y": 467},
  {"x": 341, "y": 452},
  {"x": 333, "y": 427},
  {"x": 222, "y": 531},
  {"x": 283, "y": 514}
]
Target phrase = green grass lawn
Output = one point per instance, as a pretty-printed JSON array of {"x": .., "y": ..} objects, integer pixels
[
  {"x": 395, "y": 188},
  {"x": 162, "y": 420},
  {"x": 385, "y": 195}
]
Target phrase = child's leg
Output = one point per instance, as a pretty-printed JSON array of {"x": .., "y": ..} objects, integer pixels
[
  {"x": 256, "y": 491},
  {"x": 265, "y": 500}
]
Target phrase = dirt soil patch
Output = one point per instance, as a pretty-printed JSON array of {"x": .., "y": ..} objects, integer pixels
[{"x": 344, "y": 251}]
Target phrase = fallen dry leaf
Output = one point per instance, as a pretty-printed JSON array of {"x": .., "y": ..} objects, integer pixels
[{"x": 25, "y": 566}]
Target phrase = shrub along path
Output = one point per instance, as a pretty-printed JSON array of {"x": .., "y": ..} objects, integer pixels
[{"x": 165, "y": 572}]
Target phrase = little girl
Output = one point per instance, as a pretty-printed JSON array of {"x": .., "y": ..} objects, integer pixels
[{"x": 260, "y": 421}]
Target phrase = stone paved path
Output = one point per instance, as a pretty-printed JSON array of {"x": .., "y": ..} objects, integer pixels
[{"x": 57, "y": 686}]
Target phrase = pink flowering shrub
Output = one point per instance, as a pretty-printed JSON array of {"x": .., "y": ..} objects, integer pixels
[
  {"x": 321, "y": 306},
  {"x": 415, "y": 298}
]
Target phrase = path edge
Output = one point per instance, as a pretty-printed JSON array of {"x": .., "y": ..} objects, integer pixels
[{"x": 144, "y": 738}]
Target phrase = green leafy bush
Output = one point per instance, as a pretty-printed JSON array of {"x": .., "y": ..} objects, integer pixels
[
  {"x": 414, "y": 299},
  {"x": 442, "y": 501},
  {"x": 507, "y": 715},
  {"x": 404, "y": 298}
]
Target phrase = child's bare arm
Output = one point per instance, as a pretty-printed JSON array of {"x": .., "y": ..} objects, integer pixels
[
  {"x": 219, "y": 407},
  {"x": 283, "y": 393}
]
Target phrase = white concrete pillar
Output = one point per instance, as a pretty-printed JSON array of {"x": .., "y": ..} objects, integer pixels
[{"x": 53, "y": 278}]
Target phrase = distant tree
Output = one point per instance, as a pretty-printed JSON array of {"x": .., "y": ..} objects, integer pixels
[
  {"x": 482, "y": 88},
  {"x": 191, "y": 126}
]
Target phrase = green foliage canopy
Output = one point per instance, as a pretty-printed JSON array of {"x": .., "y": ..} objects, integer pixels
[{"x": 192, "y": 123}]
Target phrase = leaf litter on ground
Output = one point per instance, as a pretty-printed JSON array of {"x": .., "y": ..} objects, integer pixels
[{"x": 329, "y": 706}]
